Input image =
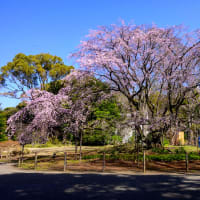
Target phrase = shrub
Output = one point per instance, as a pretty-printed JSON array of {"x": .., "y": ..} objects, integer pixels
[
  {"x": 180, "y": 150},
  {"x": 166, "y": 157},
  {"x": 172, "y": 157},
  {"x": 160, "y": 150},
  {"x": 3, "y": 137},
  {"x": 94, "y": 140},
  {"x": 116, "y": 139},
  {"x": 166, "y": 141},
  {"x": 123, "y": 148}
]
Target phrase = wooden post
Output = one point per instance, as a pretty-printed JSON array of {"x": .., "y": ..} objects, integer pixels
[
  {"x": 186, "y": 162},
  {"x": 65, "y": 161},
  {"x": 104, "y": 161},
  {"x": 134, "y": 158},
  {"x": 35, "y": 164},
  {"x": 22, "y": 155},
  {"x": 80, "y": 150},
  {"x": 144, "y": 162},
  {"x": 137, "y": 155},
  {"x": 19, "y": 161},
  {"x": 197, "y": 141},
  {"x": 80, "y": 156},
  {"x": 8, "y": 154}
]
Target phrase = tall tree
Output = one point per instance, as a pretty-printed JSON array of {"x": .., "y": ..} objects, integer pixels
[
  {"x": 45, "y": 111},
  {"x": 140, "y": 60},
  {"x": 26, "y": 72}
]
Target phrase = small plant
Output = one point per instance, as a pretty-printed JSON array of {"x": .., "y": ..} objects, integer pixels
[
  {"x": 166, "y": 141},
  {"x": 180, "y": 150},
  {"x": 3, "y": 137},
  {"x": 116, "y": 140},
  {"x": 160, "y": 150}
]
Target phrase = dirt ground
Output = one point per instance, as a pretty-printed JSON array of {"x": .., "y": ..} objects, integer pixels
[
  {"x": 47, "y": 162},
  {"x": 9, "y": 144},
  {"x": 96, "y": 165}
]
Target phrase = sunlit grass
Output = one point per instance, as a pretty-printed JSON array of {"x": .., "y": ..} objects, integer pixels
[
  {"x": 49, "y": 165},
  {"x": 187, "y": 148}
]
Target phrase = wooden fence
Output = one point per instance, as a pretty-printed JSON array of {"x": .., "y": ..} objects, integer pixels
[{"x": 7, "y": 154}]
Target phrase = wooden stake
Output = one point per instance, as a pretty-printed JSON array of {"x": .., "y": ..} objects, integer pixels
[
  {"x": 144, "y": 162},
  {"x": 22, "y": 155},
  {"x": 8, "y": 154},
  {"x": 19, "y": 162},
  {"x": 80, "y": 150},
  {"x": 65, "y": 161},
  {"x": 137, "y": 155},
  {"x": 104, "y": 161},
  {"x": 35, "y": 164},
  {"x": 186, "y": 162}
]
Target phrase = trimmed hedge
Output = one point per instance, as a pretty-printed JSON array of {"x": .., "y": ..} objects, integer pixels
[{"x": 153, "y": 157}]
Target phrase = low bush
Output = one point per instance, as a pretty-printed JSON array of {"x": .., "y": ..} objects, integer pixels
[
  {"x": 173, "y": 157},
  {"x": 166, "y": 157},
  {"x": 153, "y": 157},
  {"x": 123, "y": 148},
  {"x": 3, "y": 137},
  {"x": 180, "y": 150},
  {"x": 93, "y": 139},
  {"x": 160, "y": 150}
]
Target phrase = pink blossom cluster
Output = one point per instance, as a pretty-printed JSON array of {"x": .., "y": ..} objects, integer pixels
[{"x": 45, "y": 111}]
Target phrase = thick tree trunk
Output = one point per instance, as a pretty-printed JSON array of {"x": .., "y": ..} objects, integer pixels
[
  {"x": 137, "y": 155},
  {"x": 191, "y": 138},
  {"x": 76, "y": 148},
  {"x": 162, "y": 139},
  {"x": 81, "y": 140}
]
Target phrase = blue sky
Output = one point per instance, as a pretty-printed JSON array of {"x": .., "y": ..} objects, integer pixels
[{"x": 57, "y": 26}]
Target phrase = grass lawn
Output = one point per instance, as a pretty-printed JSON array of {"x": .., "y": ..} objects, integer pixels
[{"x": 187, "y": 148}]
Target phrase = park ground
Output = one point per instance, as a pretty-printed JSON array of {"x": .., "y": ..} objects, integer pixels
[{"x": 47, "y": 162}]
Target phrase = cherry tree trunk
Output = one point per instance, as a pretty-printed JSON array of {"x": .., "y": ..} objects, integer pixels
[
  {"x": 76, "y": 148},
  {"x": 22, "y": 154},
  {"x": 191, "y": 138},
  {"x": 81, "y": 140}
]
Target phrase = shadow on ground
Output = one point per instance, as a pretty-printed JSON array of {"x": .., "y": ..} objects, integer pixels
[{"x": 37, "y": 186}]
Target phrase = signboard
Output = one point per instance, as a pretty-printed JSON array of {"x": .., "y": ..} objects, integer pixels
[{"x": 181, "y": 138}]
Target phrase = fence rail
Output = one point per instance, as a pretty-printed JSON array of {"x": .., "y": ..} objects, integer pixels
[{"x": 142, "y": 161}]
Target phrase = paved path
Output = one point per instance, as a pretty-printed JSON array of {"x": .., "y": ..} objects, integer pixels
[{"x": 16, "y": 184}]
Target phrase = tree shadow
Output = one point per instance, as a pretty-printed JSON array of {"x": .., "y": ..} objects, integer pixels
[{"x": 38, "y": 186}]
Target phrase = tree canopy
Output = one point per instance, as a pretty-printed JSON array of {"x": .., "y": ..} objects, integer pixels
[
  {"x": 26, "y": 72},
  {"x": 46, "y": 111},
  {"x": 139, "y": 61}
]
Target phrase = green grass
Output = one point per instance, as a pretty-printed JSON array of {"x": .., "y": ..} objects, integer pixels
[
  {"x": 44, "y": 145},
  {"x": 187, "y": 148},
  {"x": 50, "y": 165},
  {"x": 49, "y": 144}
]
